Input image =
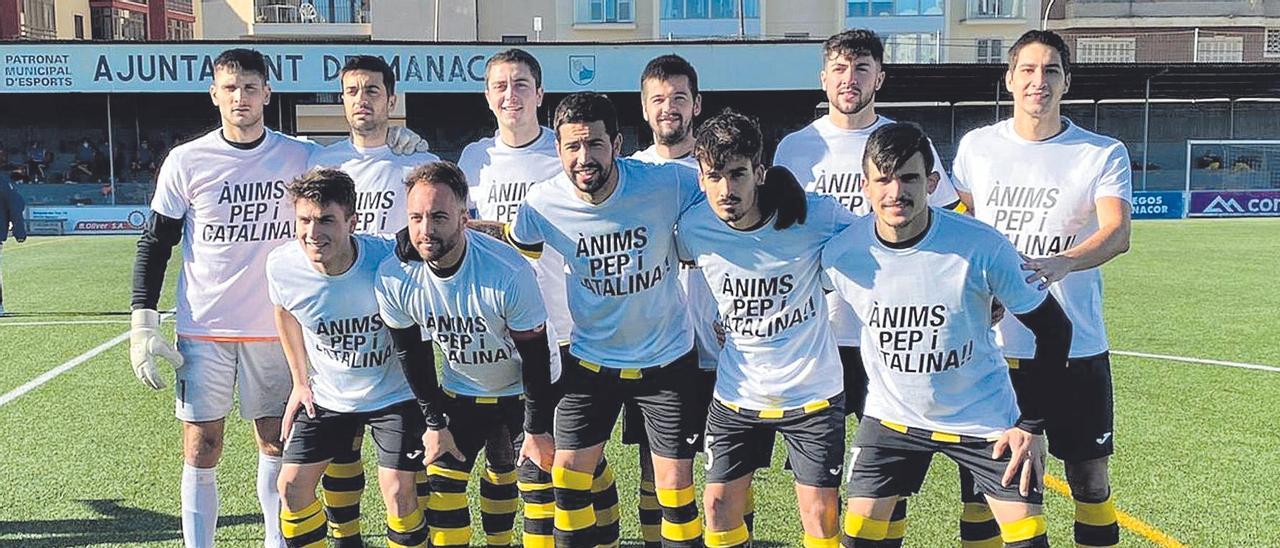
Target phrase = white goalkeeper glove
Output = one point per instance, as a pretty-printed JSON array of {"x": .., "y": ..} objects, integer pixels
[
  {"x": 146, "y": 344},
  {"x": 403, "y": 141}
]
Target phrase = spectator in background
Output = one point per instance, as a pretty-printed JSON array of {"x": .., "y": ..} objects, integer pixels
[
  {"x": 11, "y": 206},
  {"x": 15, "y": 162},
  {"x": 83, "y": 170},
  {"x": 38, "y": 159},
  {"x": 145, "y": 160}
]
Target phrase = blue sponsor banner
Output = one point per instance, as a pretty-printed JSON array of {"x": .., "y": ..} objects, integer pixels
[
  {"x": 1235, "y": 203},
  {"x": 309, "y": 68},
  {"x": 1159, "y": 205}
]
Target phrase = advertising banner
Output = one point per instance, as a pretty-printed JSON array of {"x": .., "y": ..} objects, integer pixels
[
  {"x": 88, "y": 219},
  {"x": 1159, "y": 205},
  {"x": 1234, "y": 203}
]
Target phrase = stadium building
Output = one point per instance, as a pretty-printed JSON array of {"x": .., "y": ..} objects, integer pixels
[{"x": 1190, "y": 87}]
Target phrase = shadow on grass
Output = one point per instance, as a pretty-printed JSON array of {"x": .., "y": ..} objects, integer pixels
[{"x": 114, "y": 524}]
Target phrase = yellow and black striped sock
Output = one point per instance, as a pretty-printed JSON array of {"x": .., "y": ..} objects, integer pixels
[
  {"x": 575, "y": 520},
  {"x": 978, "y": 527},
  {"x": 1096, "y": 523},
  {"x": 897, "y": 525},
  {"x": 423, "y": 485},
  {"x": 749, "y": 510},
  {"x": 341, "y": 487},
  {"x": 811, "y": 541},
  {"x": 498, "y": 505},
  {"x": 448, "y": 518},
  {"x": 409, "y": 531},
  {"x": 738, "y": 536},
  {"x": 1028, "y": 532},
  {"x": 863, "y": 532},
  {"x": 604, "y": 500},
  {"x": 539, "y": 506},
  {"x": 680, "y": 524},
  {"x": 650, "y": 515},
  {"x": 304, "y": 528}
]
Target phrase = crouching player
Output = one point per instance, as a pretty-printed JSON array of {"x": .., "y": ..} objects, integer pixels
[
  {"x": 323, "y": 290},
  {"x": 922, "y": 280},
  {"x": 477, "y": 299},
  {"x": 758, "y": 239}
]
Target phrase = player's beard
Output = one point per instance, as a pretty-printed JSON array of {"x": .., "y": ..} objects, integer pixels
[
  {"x": 674, "y": 136},
  {"x": 907, "y": 205},
  {"x": 439, "y": 248},
  {"x": 596, "y": 183},
  {"x": 860, "y": 104}
]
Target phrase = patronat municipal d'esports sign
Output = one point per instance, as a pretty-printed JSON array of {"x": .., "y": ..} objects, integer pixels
[{"x": 168, "y": 68}]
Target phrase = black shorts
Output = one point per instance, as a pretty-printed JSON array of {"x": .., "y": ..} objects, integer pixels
[
  {"x": 855, "y": 380},
  {"x": 666, "y": 396},
  {"x": 814, "y": 439},
  {"x": 1081, "y": 413},
  {"x": 885, "y": 462},
  {"x": 633, "y": 432},
  {"x": 397, "y": 435},
  {"x": 493, "y": 424}
]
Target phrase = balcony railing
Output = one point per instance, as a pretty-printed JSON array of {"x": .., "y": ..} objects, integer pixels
[
  {"x": 996, "y": 9},
  {"x": 313, "y": 11},
  {"x": 29, "y": 32}
]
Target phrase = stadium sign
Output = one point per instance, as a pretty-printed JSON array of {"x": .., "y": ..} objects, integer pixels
[
  {"x": 89, "y": 220},
  {"x": 1159, "y": 205},
  {"x": 311, "y": 68},
  {"x": 1235, "y": 203}
]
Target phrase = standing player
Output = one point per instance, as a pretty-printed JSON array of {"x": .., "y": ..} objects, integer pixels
[
  {"x": 11, "y": 207},
  {"x": 670, "y": 101},
  {"x": 368, "y": 97},
  {"x": 223, "y": 196},
  {"x": 758, "y": 238},
  {"x": 478, "y": 301},
  {"x": 1062, "y": 195},
  {"x": 923, "y": 280},
  {"x": 327, "y": 318},
  {"x": 826, "y": 156},
  {"x": 612, "y": 219},
  {"x": 500, "y": 170}
]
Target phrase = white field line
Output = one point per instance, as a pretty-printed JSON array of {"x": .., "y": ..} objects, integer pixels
[
  {"x": 53, "y": 373},
  {"x": 1201, "y": 361},
  {"x": 60, "y": 322}
]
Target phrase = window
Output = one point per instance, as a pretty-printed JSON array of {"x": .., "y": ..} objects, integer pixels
[
  {"x": 37, "y": 19},
  {"x": 1220, "y": 49},
  {"x": 79, "y": 27},
  {"x": 180, "y": 30},
  {"x": 994, "y": 9},
  {"x": 604, "y": 11},
  {"x": 1271, "y": 46},
  {"x": 1105, "y": 50},
  {"x": 181, "y": 6},
  {"x": 990, "y": 50},
  {"x": 709, "y": 9},
  {"x": 911, "y": 47},
  {"x": 882, "y": 8},
  {"x": 118, "y": 24}
]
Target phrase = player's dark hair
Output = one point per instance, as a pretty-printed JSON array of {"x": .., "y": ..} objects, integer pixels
[
  {"x": 242, "y": 60},
  {"x": 585, "y": 107},
  {"x": 516, "y": 55},
  {"x": 1046, "y": 37},
  {"x": 441, "y": 172},
  {"x": 891, "y": 145},
  {"x": 854, "y": 43},
  {"x": 664, "y": 67},
  {"x": 325, "y": 186},
  {"x": 371, "y": 63},
  {"x": 731, "y": 135}
]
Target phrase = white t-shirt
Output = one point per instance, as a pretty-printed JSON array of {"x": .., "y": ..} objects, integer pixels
[
  {"x": 470, "y": 315},
  {"x": 379, "y": 175},
  {"x": 828, "y": 160},
  {"x": 778, "y": 351},
  {"x": 1042, "y": 195},
  {"x": 354, "y": 367},
  {"x": 500, "y": 176},
  {"x": 235, "y": 210},
  {"x": 928, "y": 346},
  {"x": 628, "y": 309},
  {"x": 701, "y": 305}
]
